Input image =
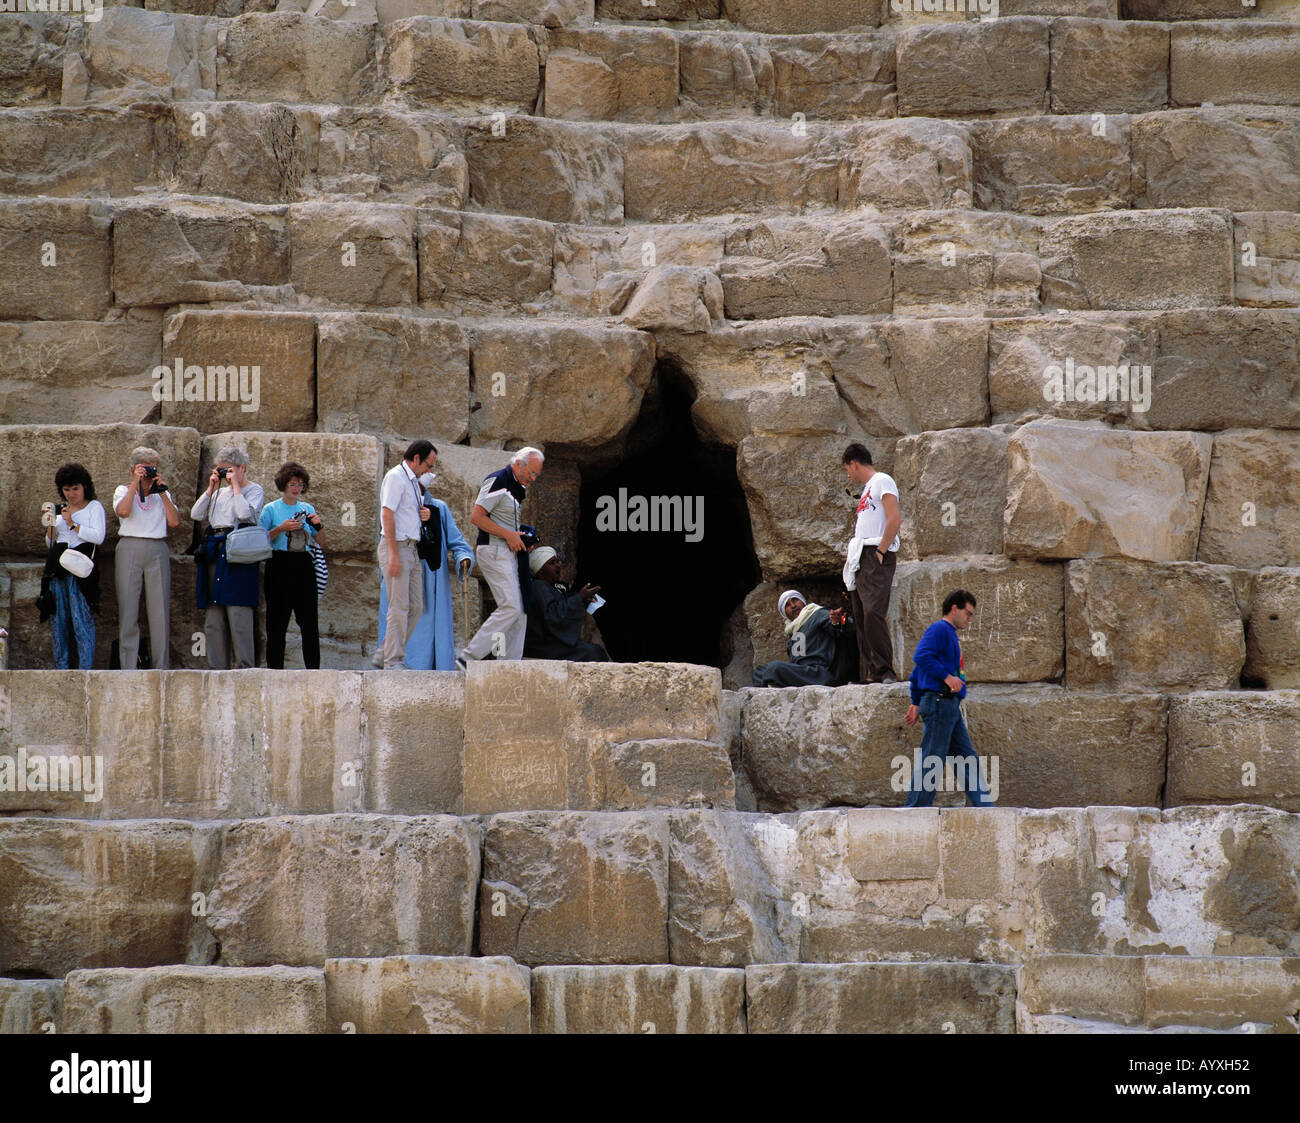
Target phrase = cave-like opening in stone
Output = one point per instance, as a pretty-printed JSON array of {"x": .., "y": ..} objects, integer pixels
[{"x": 669, "y": 598}]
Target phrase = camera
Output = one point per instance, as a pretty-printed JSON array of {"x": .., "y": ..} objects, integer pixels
[
  {"x": 221, "y": 473},
  {"x": 58, "y": 508},
  {"x": 150, "y": 472},
  {"x": 529, "y": 536},
  {"x": 302, "y": 517}
]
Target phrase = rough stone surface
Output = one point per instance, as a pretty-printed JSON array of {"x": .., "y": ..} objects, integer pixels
[
  {"x": 350, "y": 255},
  {"x": 952, "y": 70},
  {"x": 64, "y": 244},
  {"x": 31, "y": 1005},
  {"x": 649, "y": 999},
  {"x": 955, "y": 484},
  {"x": 1138, "y": 81},
  {"x": 1077, "y": 489},
  {"x": 428, "y": 994},
  {"x": 495, "y": 259},
  {"x": 1273, "y": 630},
  {"x": 462, "y": 67},
  {"x": 290, "y": 57},
  {"x": 572, "y": 887},
  {"x": 1119, "y": 617},
  {"x": 1250, "y": 519},
  {"x": 411, "y": 888},
  {"x": 195, "y": 1000},
  {"x": 1236, "y": 63}
]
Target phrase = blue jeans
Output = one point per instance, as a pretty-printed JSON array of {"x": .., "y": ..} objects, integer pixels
[
  {"x": 945, "y": 735},
  {"x": 72, "y": 618}
]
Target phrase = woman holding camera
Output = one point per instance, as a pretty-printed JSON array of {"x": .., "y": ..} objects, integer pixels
[
  {"x": 293, "y": 525},
  {"x": 79, "y": 524},
  {"x": 145, "y": 513},
  {"x": 226, "y": 589}
]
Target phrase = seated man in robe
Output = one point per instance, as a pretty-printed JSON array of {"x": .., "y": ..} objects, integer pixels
[
  {"x": 811, "y": 642},
  {"x": 556, "y": 616}
]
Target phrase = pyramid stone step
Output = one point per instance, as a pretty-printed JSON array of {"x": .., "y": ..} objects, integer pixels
[
  {"x": 194, "y": 1000},
  {"x": 638, "y": 999},
  {"x": 880, "y": 998},
  {"x": 428, "y": 994},
  {"x": 30, "y": 1005},
  {"x": 1170, "y": 993}
]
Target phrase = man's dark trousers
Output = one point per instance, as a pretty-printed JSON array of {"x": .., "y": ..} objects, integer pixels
[
  {"x": 945, "y": 735},
  {"x": 870, "y": 606}
]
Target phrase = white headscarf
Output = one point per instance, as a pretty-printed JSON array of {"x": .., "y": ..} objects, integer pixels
[
  {"x": 786, "y": 598},
  {"x": 538, "y": 557}
]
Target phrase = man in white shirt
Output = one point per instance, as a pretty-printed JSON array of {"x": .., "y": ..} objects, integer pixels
[
  {"x": 401, "y": 512},
  {"x": 871, "y": 563},
  {"x": 145, "y": 513}
]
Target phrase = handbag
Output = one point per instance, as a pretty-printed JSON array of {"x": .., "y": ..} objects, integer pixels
[
  {"x": 78, "y": 564},
  {"x": 322, "y": 570},
  {"x": 247, "y": 545},
  {"x": 429, "y": 545}
]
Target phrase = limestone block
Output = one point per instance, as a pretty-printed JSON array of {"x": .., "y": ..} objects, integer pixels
[
  {"x": 131, "y": 55},
  {"x": 795, "y": 489},
  {"x": 729, "y": 74},
  {"x": 81, "y": 151},
  {"x": 953, "y": 488},
  {"x": 345, "y": 472},
  {"x": 1018, "y": 631},
  {"x": 1105, "y": 261},
  {"x": 572, "y": 887},
  {"x": 542, "y": 13},
  {"x": 192, "y": 251},
  {"x": 35, "y": 452},
  {"x": 428, "y": 994},
  {"x": 679, "y": 173},
  {"x": 906, "y": 164},
  {"x": 260, "y": 153},
  {"x": 346, "y": 254},
  {"x": 1120, "y": 615},
  {"x": 663, "y": 10},
  {"x": 881, "y": 998},
  {"x": 1053, "y": 165},
  {"x": 63, "y": 245},
  {"x": 817, "y": 15},
  {"x": 315, "y": 756},
  {"x": 635, "y": 74},
  {"x": 291, "y": 57},
  {"x": 389, "y": 155},
  {"x": 1222, "y": 993},
  {"x": 425, "y": 383},
  {"x": 461, "y": 66},
  {"x": 1076, "y": 489},
  {"x": 1233, "y": 748},
  {"x": 195, "y": 1000},
  {"x": 1251, "y": 518},
  {"x": 553, "y": 170},
  {"x": 1273, "y": 630},
  {"x": 95, "y": 372},
  {"x": 947, "y": 262},
  {"x": 1137, "y": 79},
  {"x": 1273, "y": 280},
  {"x": 649, "y": 999},
  {"x": 111, "y": 894},
  {"x": 563, "y": 385},
  {"x": 676, "y": 298},
  {"x": 834, "y": 76},
  {"x": 787, "y": 266},
  {"x": 1184, "y": 9},
  {"x": 497, "y": 259},
  {"x": 1094, "y": 987},
  {"x": 414, "y": 741},
  {"x": 30, "y": 1005},
  {"x": 952, "y": 70},
  {"x": 1243, "y": 159},
  {"x": 245, "y": 369},
  {"x": 1248, "y": 63},
  {"x": 32, "y": 50},
  {"x": 410, "y": 888}
]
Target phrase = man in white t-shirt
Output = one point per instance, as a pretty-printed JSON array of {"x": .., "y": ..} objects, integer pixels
[
  {"x": 871, "y": 562},
  {"x": 401, "y": 512}
]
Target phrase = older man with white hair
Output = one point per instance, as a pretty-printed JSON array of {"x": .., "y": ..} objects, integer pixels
[{"x": 496, "y": 514}]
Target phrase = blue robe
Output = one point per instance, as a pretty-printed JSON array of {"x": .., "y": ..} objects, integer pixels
[{"x": 432, "y": 646}]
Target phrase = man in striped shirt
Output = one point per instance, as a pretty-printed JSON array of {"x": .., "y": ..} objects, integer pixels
[{"x": 496, "y": 514}]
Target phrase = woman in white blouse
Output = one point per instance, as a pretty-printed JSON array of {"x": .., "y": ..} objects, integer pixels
[{"x": 78, "y": 523}]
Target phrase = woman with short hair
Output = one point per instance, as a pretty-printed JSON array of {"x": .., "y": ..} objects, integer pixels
[
  {"x": 78, "y": 523},
  {"x": 227, "y": 590},
  {"x": 145, "y": 513},
  {"x": 293, "y": 525}
]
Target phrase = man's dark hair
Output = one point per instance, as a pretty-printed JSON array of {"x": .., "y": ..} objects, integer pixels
[
  {"x": 958, "y": 598},
  {"x": 420, "y": 448},
  {"x": 285, "y": 474},
  {"x": 858, "y": 452},
  {"x": 69, "y": 476}
]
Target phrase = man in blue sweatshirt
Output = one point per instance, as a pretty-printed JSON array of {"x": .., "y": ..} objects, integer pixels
[{"x": 938, "y": 686}]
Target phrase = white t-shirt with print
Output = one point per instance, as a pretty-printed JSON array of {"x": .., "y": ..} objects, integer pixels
[{"x": 871, "y": 510}]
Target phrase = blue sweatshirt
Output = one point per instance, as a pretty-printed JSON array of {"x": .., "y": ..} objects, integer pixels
[{"x": 937, "y": 656}]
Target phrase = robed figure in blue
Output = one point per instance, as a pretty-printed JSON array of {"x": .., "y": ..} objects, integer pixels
[{"x": 431, "y": 646}]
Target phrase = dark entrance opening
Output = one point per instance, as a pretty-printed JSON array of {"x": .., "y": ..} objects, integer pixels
[{"x": 669, "y": 598}]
